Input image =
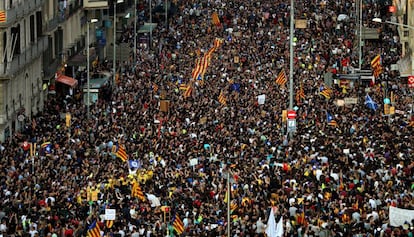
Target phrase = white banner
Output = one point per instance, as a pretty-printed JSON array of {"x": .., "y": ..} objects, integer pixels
[{"x": 398, "y": 216}]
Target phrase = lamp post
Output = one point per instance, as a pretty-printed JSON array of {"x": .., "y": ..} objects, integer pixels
[
  {"x": 114, "y": 56},
  {"x": 379, "y": 20},
  {"x": 88, "y": 102},
  {"x": 135, "y": 33},
  {"x": 360, "y": 36},
  {"x": 292, "y": 19}
]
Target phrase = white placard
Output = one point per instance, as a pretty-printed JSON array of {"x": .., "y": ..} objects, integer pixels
[
  {"x": 350, "y": 100},
  {"x": 193, "y": 162},
  {"x": 261, "y": 99},
  {"x": 398, "y": 216},
  {"x": 110, "y": 214}
]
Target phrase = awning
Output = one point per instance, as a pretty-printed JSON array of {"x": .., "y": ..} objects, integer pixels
[{"x": 67, "y": 80}]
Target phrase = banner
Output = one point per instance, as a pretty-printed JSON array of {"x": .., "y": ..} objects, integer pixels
[{"x": 398, "y": 216}]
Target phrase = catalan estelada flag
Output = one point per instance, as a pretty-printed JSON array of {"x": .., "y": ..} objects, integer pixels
[
  {"x": 326, "y": 92},
  {"x": 3, "y": 16},
  {"x": 120, "y": 152},
  {"x": 281, "y": 78},
  {"x": 94, "y": 230},
  {"x": 178, "y": 224}
]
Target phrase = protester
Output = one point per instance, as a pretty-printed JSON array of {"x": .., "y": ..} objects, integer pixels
[{"x": 336, "y": 175}]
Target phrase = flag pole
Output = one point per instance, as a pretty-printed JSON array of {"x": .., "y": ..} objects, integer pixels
[{"x": 228, "y": 203}]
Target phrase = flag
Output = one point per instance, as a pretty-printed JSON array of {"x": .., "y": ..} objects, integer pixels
[
  {"x": 300, "y": 94},
  {"x": 183, "y": 86},
  {"x": 300, "y": 218},
  {"x": 121, "y": 152},
  {"x": 233, "y": 206},
  {"x": 279, "y": 228},
  {"x": 326, "y": 92},
  {"x": 330, "y": 120},
  {"x": 271, "y": 227},
  {"x": 226, "y": 197},
  {"x": 376, "y": 66},
  {"x": 215, "y": 19},
  {"x": 155, "y": 87},
  {"x": 188, "y": 91},
  {"x": 46, "y": 147},
  {"x": 94, "y": 230},
  {"x": 134, "y": 164},
  {"x": 376, "y": 61},
  {"x": 3, "y": 16},
  {"x": 178, "y": 225},
  {"x": 281, "y": 78},
  {"x": 109, "y": 223},
  {"x": 370, "y": 103},
  {"x": 235, "y": 87},
  {"x": 222, "y": 98},
  {"x": 197, "y": 69},
  {"x": 136, "y": 191}
]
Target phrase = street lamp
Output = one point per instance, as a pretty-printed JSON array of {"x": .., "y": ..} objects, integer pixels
[
  {"x": 135, "y": 33},
  {"x": 88, "y": 102},
  {"x": 114, "y": 56},
  {"x": 292, "y": 19},
  {"x": 379, "y": 20}
]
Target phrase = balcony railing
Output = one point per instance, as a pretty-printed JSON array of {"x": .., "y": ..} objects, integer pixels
[
  {"x": 52, "y": 24},
  {"x": 34, "y": 51},
  {"x": 20, "y": 10}
]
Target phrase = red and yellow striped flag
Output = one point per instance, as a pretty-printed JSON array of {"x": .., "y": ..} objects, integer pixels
[
  {"x": 109, "y": 223},
  {"x": 3, "y": 17},
  {"x": 136, "y": 191},
  {"x": 188, "y": 91},
  {"x": 281, "y": 78},
  {"x": 222, "y": 98},
  {"x": 183, "y": 86}
]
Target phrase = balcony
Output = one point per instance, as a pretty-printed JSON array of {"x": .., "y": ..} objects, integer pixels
[
  {"x": 65, "y": 13},
  {"x": 52, "y": 24},
  {"x": 21, "y": 60},
  {"x": 20, "y": 10}
]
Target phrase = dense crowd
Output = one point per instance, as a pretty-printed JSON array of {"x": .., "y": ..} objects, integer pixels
[{"x": 323, "y": 180}]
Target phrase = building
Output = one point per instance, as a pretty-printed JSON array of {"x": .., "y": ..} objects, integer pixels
[
  {"x": 22, "y": 43},
  {"x": 405, "y": 15},
  {"x": 37, "y": 37}
]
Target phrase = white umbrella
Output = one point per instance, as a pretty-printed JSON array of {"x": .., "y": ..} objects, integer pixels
[{"x": 343, "y": 17}]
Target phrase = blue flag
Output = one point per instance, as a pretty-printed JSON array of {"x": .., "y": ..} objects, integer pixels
[
  {"x": 235, "y": 87},
  {"x": 370, "y": 103},
  {"x": 134, "y": 164},
  {"x": 329, "y": 117}
]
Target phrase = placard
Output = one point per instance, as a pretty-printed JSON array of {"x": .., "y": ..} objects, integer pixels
[
  {"x": 164, "y": 105},
  {"x": 110, "y": 214},
  {"x": 301, "y": 23},
  {"x": 350, "y": 100}
]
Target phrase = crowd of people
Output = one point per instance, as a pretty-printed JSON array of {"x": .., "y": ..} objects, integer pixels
[{"x": 323, "y": 179}]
